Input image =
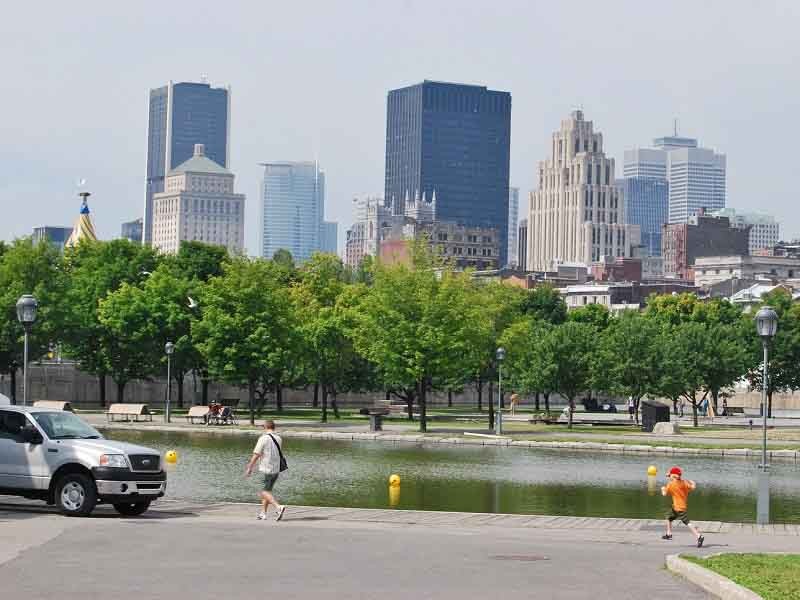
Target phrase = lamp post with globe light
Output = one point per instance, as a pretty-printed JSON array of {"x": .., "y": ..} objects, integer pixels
[
  {"x": 169, "y": 348},
  {"x": 27, "y": 306},
  {"x": 498, "y": 420},
  {"x": 766, "y": 327}
]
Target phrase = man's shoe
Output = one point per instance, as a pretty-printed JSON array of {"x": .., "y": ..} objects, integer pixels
[
  {"x": 281, "y": 510},
  {"x": 666, "y": 537},
  {"x": 261, "y": 516},
  {"x": 700, "y": 541}
]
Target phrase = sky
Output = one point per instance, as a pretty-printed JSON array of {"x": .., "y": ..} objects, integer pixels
[{"x": 309, "y": 81}]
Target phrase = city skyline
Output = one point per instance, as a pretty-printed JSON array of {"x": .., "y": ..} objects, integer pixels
[{"x": 101, "y": 136}]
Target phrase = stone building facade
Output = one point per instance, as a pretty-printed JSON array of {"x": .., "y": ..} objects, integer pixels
[
  {"x": 702, "y": 235},
  {"x": 577, "y": 214}
]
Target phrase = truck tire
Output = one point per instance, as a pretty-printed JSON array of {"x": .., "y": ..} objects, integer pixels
[
  {"x": 132, "y": 509},
  {"x": 76, "y": 495}
]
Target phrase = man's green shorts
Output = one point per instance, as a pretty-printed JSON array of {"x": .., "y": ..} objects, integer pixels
[
  {"x": 269, "y": 481},
  {"x": 675, "y": 515}
]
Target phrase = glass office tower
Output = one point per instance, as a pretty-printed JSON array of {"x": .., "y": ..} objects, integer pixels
[
  {"x": 182, "y": 115},
  {"x": 452, "y": 140}
]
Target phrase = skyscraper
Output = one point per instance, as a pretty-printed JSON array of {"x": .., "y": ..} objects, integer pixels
[
  {"x": 329, "y": 237},
  {"x": 696, "y": 181},
  {"x": 132, "y": 230},
  {"x": 182, "y": 115},
  {"x": 765, "y": 231},
  {"x": 647, "y": 194},
  {"x": 292, "y": 209},
  {"x": 452, "y": 140},
  {"x": 513, "y": 225},
  {"x": 198, "y": 204},
  {"x": 522, "y": 245},
  {"x": 578, "y": 212}
]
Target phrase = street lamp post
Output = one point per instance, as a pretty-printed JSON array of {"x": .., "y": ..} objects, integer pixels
[
  {"x": 498, "y": 420},
  {"x": 26, "y": 315},
  {"x": 767, "y": 327},
  {"x": 169, "y": 348}
]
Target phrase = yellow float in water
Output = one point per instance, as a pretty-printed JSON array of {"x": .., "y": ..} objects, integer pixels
[
  {"x": 171, "y": 457},
  {"x": 651, "y": 470},
  {"x": 394, "y": 480},
  {"x": 394, "y": 496}
]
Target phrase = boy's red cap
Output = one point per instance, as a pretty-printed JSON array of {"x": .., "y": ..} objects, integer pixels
[{"x": 676, "y": 471}]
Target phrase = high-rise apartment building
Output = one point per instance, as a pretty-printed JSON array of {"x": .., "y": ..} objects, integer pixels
[
  {"x": 451, "y": 140},
  {"x": 577, "y": 215},
  {"x": 182, "y": 115},
  {"x": 292, "y": 209},
  {"x": 198, "y": 204},
  {"x": 513, "y": 226},
  {"x": 696, "y": 182},
  {"x": 132, "y": 230},
  {"x": 765, "y": 231}
]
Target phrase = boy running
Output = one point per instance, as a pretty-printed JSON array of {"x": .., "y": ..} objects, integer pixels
[
  {"x": 679, "y": 489},
  {"x": 267, "y": 454}
]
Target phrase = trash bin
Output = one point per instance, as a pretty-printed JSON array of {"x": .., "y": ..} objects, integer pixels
[{"x": 653, "y": 412}]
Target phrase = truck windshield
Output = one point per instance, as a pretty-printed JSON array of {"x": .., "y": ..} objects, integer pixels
[{"x": 65, "y": 426}]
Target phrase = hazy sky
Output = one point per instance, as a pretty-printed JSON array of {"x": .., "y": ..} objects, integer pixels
[{"x": 309, "y": 80}]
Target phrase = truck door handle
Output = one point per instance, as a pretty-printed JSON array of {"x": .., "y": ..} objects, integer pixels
[{"x": 54, "y": 450}]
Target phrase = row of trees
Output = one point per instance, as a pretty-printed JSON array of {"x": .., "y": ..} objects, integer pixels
[{"x": 407, "y": 330}]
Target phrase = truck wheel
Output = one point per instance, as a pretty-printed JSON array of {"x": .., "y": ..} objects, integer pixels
[
  {"x": 132, "y": 509},
  {"x": 76, "y": 495}
]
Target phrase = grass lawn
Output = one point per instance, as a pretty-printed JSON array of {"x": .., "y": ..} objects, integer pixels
[{"x": 773, "y": 576}]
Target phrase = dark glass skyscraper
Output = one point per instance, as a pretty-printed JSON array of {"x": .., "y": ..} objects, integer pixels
[
  {"x": 182, "y": 115},
  {"x": 453, "y": 140},
  {"x": 647, "y": 205}
]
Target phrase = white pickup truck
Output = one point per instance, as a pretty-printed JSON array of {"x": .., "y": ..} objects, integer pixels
[{"x": 57, "y": 457}]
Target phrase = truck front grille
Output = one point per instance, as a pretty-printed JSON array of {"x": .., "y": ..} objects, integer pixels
[{"x": 145, "y": 462}]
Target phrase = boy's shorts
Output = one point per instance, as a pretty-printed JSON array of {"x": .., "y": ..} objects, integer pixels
[
  {"x": 269, "y": 481},
  {"x": 675, "y": 515}
]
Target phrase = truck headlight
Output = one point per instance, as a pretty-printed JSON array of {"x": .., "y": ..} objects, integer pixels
[{"x": 113, "y": 460}]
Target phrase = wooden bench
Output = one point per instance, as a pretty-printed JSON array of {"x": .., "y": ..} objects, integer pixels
[
  {"x": 53, "y": 404},
  {"x": 197, "y": 412},
  {"x": 129, "y": 411}
]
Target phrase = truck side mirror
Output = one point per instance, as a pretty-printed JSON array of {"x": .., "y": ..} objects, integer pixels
[{"x": 30, "y": 435}]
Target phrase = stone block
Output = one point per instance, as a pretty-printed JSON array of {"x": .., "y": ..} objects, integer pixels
[{"x": 667, "y": 428}]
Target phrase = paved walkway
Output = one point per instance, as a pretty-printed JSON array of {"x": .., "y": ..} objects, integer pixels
[{"x": 182, "y": 550}]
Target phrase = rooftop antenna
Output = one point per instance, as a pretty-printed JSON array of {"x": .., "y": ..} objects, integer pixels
[{"x": 675, "y": 126}]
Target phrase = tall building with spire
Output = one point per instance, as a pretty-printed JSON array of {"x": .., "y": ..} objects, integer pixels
[
  {"x": 180, "y": 116},
  {"x": 577, "y": 214},
  {"x": 454, "y": 140}
]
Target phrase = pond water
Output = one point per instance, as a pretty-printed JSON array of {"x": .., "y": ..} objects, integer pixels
[{"x": 469, "y": 478}]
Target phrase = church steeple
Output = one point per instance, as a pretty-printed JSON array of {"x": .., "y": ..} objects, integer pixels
[{"x": 84, "y": 228}]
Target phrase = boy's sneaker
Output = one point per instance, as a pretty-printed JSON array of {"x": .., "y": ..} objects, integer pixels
[
  {"x": 666, "y": 537},
  {"x": 261, "y": 516},
  {"x": 279, "y": 515},
  {"x": 700, "y": 541}
]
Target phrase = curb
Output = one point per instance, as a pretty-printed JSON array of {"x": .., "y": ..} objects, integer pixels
[{"x": 711, "y": 582}]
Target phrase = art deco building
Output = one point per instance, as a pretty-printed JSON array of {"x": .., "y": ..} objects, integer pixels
[
  {"x": 198, "y": 204},
  {"x": 578, "y": 213}
]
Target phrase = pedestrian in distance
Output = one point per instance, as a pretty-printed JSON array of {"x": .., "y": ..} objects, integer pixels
[
  {"x": 269, "y": 456},
  {"x": 631, "y": 407},
  {"x": 679, "y": 489},
  {"x": 682, "y": 405}
]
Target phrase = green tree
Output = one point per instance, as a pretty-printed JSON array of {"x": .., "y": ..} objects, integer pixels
[
  {"x": 419, "y": 328},
  {"x": 528, "y": 369},
  {"x": 246, "y": 331},
  {"x": 28, "y": 268},
  {"x": 567, "y": 353},
  {"x": 545, "y": 303},
  {"x": 596, "y": 315},
  {"x": 198, "y": 261}
]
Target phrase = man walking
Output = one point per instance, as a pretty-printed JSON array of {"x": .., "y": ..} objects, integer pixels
[{"x": 268, "y": 454}]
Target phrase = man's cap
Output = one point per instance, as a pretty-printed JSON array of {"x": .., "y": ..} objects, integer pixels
[{"x": 676, "y": 471}]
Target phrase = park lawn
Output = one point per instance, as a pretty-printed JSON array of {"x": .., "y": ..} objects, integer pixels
[{"x": 773, "y": 576}]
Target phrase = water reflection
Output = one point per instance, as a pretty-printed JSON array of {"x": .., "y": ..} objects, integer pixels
[{"x": 472, "y": 479}]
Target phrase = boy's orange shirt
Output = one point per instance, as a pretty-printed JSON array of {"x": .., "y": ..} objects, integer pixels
[{"x": 679, "y": 490}]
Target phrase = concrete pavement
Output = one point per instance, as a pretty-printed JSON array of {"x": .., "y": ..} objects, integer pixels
[{"x": 180, "y": 550}]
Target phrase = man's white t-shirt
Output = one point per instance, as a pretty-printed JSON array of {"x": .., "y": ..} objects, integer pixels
[{"x": 270, "y": 458}]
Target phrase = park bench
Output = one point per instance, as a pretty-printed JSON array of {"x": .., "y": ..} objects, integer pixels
[
  {"x": 197, "y": 412},
  {"x": 128, "y": 411},
  {"x": 53, "y": 404},
  {"x": 735, "y": 410}
]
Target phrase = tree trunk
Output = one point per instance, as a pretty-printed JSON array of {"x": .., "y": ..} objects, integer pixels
[
  {"x": 547, "y": 403},
  {"x": 324, "y": 417},
  {"x": 121, "y": 392},
  {"x": 675, "y": 407},
  {"x": 13, "y": 376},
  {"x": 251, "y": 397},
  {"x": 204, "y": 386},
  {"x": 449, "y": 398},
  {"x": 536, "y": 401},
  {"x": 480, "y": 395},
  {"x": 694, "y": 413},
  {"x": 423, "y": 417},
  {"x": 410, "y": 405},
  {"x": 636, "y": 410},
  {"x": 279, "y": 398},
  {"x": 571, "y": 405},
  {"x": 315, "y": 404},
  {"x": 101, "y": 383},
  {"x": 491, "y": 409},
  {"x": 714, "y": 397},
  {"x": 179, "y": 379},
  {"x": 335, "y": 405}
]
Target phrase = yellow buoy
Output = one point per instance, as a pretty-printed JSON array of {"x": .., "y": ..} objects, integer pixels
[
  {"x": 651, "y": 470},
  {"x": 394, "y": 496},
  {"x": 394, "y": 480},
  {"x": 171, "y": 457}
]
